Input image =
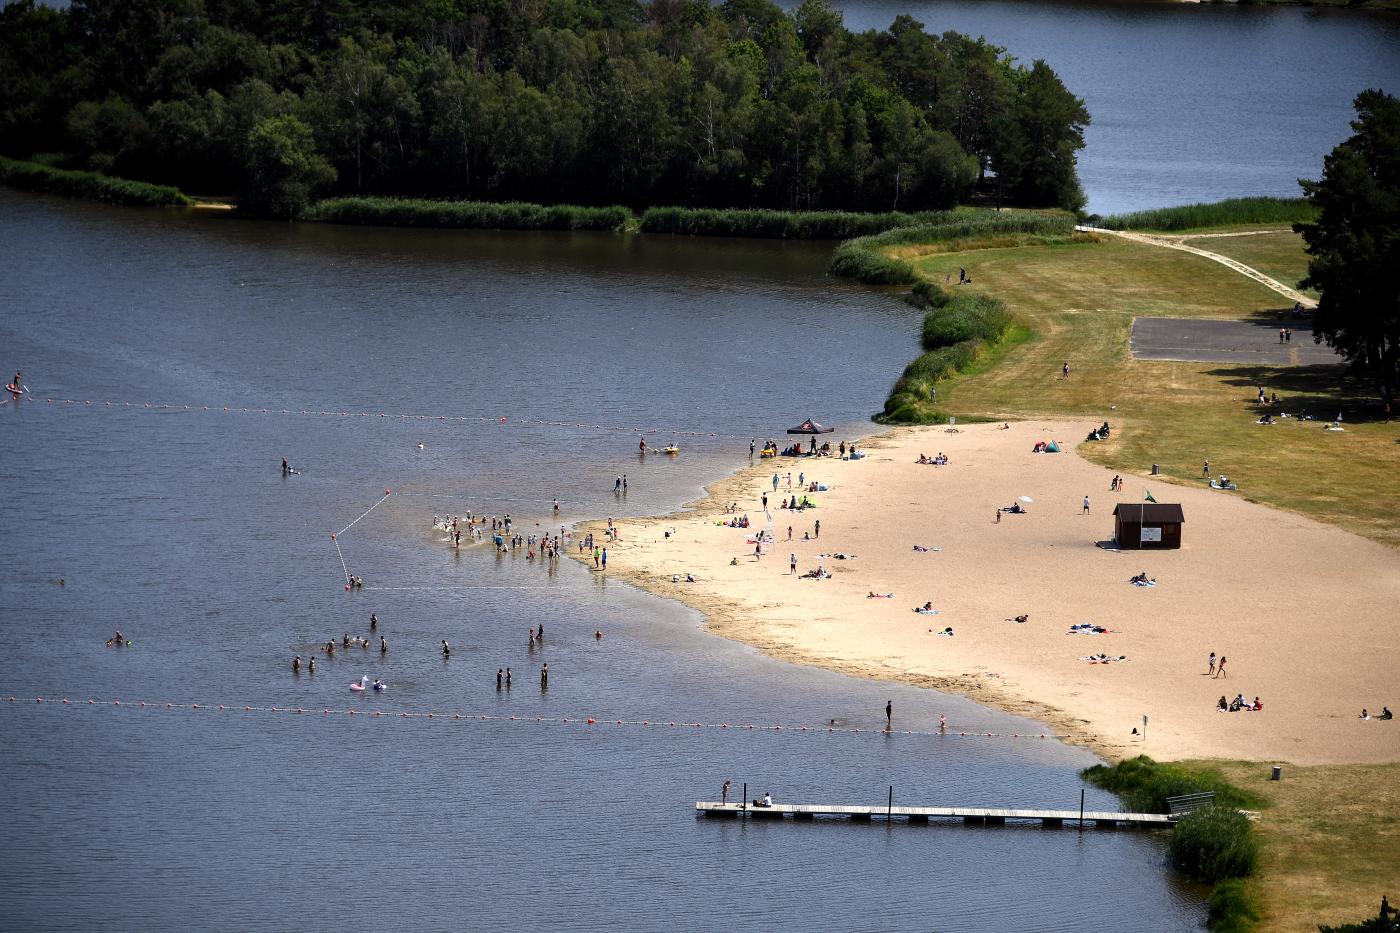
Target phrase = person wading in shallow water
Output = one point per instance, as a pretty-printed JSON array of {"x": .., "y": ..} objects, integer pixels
[{"x": 889, "y": 715}]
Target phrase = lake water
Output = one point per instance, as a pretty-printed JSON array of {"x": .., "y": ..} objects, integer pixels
[
  {"x": 1190, "y": 102},
  {"x": 176, "y": 527}
]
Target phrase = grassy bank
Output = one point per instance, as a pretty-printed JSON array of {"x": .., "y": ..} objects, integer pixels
[
  {"x": 1216, "y": 844},
  {"x": 1329, "y": 840},
  {"x": 1079, "y": 300},
  {"x": 884, "y": 258},
  {"x": 91, "y": 186},
  {"x": 487, "y": 215},
  {"x": 1233, "y": 212},
  {"x": 957, "y": 332}
]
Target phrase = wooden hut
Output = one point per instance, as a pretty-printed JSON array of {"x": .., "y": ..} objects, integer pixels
[{"x": 1142, "y": 525}]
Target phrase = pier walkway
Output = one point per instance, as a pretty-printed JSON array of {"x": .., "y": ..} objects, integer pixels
[{"x": 969, "y": 815}]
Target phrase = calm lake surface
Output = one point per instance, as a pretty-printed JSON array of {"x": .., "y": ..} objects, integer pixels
[
  {"x": 1190, "y": 102},
  {"x": 176, "y": 527}
]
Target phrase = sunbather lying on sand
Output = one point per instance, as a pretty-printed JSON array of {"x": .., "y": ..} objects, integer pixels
[
  {"x": 839, "y": 556},
  {"x": 1103, "y": 658},
  {"x": 1088, "y": 628},
  {"x": 924, "y": 550},
  {"x": 926, "y": 609},
  {"x": 874, "y": 595},
  {"x": 1142, "y": 579},
  {"x": 947, "y": 631},
  {"x": 1023, "y": 618}
]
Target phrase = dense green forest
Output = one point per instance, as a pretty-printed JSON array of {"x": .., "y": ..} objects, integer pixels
[{"x": 584, "y": 101}]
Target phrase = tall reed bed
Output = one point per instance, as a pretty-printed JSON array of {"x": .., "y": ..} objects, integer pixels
[
  {"x": 92, "y": 186},
  {"x": 1215, "y": 844},
  {"x": 788, "y": 225},
  {"x": 488, "y": 215},
  {"x": 1231, "y": 212}
]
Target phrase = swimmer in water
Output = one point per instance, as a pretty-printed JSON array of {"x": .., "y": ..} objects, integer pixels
[
  {"x": 311, "y": 665},
  {"x": 373, "y": 621},
  {"x": 296, "y": 664},
  {"x": 598, "y": 634}
]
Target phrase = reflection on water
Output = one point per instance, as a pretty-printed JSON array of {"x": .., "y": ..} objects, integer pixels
[{"x": 177, "y": 528}]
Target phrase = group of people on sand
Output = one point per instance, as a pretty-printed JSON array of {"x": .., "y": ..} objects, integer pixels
[
  {"x": 1238, "y": 704},
  {"x": 1142, "y": 579},
  {"x": 1385, "y": 714},
  {"x": 940, "y": 460}
]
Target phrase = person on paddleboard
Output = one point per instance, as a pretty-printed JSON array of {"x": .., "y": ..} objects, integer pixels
[{"x": 18, "y": 385}]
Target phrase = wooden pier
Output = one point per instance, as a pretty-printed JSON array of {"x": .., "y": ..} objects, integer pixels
[{"x": 981, "y": 816}]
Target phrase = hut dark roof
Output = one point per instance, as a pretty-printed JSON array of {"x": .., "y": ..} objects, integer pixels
[{"x": 1149, "y": 513}]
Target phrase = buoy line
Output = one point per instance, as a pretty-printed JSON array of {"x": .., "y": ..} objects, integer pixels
[{"x": 15, "y": 702}]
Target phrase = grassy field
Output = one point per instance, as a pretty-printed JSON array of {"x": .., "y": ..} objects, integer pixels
[
  {"x": 1278, "y": 255},
  {"x": 1331, "y": 840},
  {"x": 1079, "y": 300}
]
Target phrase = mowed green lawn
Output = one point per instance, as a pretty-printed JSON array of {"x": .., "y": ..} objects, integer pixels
[
  {"x": 1079, "y": 299},
  {"x": 1278, "y": 255}
]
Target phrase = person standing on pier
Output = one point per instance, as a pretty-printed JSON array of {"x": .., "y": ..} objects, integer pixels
[{"x": 724, "y": 794}]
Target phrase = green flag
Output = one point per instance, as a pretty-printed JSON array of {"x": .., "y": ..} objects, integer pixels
[{"x": 1147, "y": 495}]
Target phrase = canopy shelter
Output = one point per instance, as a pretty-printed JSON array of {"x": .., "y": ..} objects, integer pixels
[{"x": 810, "y": 427}]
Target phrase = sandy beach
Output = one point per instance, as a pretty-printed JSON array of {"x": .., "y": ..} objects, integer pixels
[{"x": 1306, "y": 613}]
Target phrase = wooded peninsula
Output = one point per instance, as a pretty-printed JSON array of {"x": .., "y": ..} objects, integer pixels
[{"x": 594, "y": 102}]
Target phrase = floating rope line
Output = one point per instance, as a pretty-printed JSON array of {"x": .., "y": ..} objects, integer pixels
[
  {"x": 387, "y": 494},
  {"x": 500, "y": 420},
  {"x": 459, "y": 716}
]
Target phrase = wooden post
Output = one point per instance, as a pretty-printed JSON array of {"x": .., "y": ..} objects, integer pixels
[
  {"x": 1081, "y": 809},
  {"x": 745, "y": 806},
  {"x": 889, "y": 809}
]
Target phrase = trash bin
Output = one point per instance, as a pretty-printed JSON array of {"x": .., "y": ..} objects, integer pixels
[
  {"x": 1278, "y": 773},
  {"x": 1156, "y": 469}
]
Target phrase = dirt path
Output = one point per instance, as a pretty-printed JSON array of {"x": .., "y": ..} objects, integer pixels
[{"x": 1179, "y": 243}]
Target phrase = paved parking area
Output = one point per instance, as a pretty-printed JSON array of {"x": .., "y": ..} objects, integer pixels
[{"x": 1207, "y": 341}]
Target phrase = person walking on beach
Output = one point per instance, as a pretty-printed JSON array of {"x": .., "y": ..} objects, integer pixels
[
  {"x": 792, "y": 558},
  {"x": 757, "y": 549},
  {"x": 605, "y": 558},
  {"x": 889, "y": 715},
  {"x": 753, "y": 442},
  {"x": 597, "y": 552},
  {"x": 817, "y": 529},
  {"x": 1220, "y": 669},
  {"x": 724, "y": 794},
  {"x": 765, "y": 502},
  {"x": 775, "y": 482},
  {"x": 1210, "y": 664},
  {"x": 1086, "y": 505}
]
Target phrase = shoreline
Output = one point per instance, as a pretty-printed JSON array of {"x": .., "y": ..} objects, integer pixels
[{"x": 1032, "y": 670}]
